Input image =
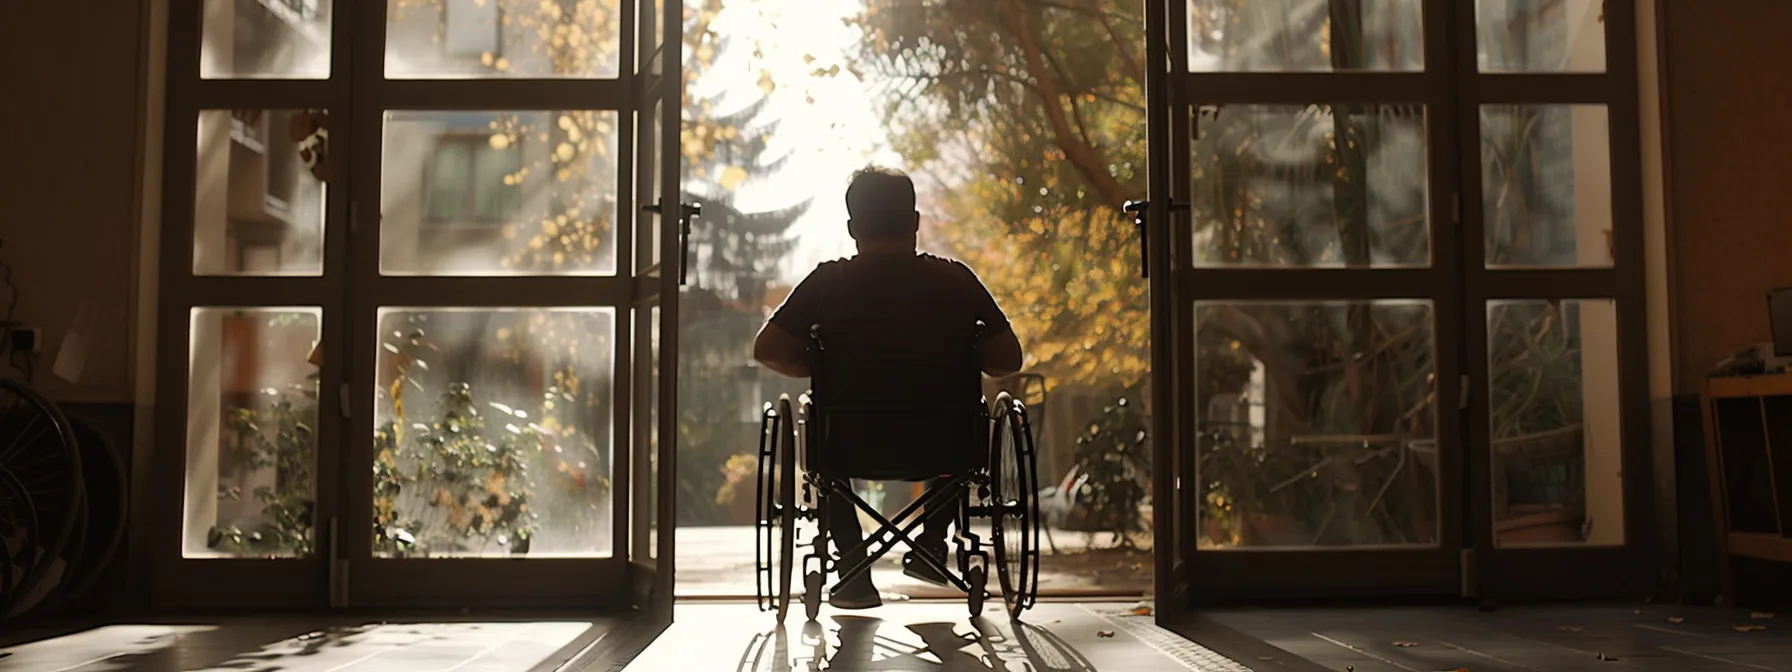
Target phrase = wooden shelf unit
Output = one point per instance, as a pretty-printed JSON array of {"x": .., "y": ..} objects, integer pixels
[{"x": 1748, "y": 453}]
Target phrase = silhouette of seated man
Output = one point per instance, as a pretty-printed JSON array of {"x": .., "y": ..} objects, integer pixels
[{"x": 899, "y": 302}]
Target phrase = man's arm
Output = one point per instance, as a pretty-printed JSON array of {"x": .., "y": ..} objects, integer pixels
[
  {"x": 782, "y": 344},
  {"x": 999, "y": 354},
  {"x": 780, "y": 351}
]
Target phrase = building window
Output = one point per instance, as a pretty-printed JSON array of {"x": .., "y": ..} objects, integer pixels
[{"x": 470, "y": 181}]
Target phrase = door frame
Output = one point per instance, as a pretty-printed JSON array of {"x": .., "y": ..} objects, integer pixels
[
  {"x": 350, "y": 290},
  {"x": 1464, "y": 562}
]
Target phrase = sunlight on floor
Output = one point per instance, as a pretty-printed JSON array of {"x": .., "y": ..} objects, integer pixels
[
  {"x": 931, "y": 636},
  {"x": 267, "y": 644}
]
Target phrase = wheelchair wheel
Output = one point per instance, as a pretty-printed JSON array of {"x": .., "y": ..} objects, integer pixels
[
  {"x": 1014, "y": 514},
  {"x": 40, "y": 491},
  {"x": 776, "y": 508}
]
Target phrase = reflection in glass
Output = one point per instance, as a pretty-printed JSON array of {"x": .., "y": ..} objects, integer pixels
[
  {"x": 493, "y": 433},
  {"x": 258, "y": 200},
  {"x": 251, "y": 432},
  {"x": 1307, "y": 187},
  {"x": 1540, "y": 35},
  {"x": 275, "y": 39},
  {"x": 1546, "y": 185},
  {"x": 499, "y": 193},
  {"x": 1554, "y": 398},
  {"x": 1317, "y": 424},
  {"x": 1305, "y": 35},
  {"x": 473, "y": 39}
]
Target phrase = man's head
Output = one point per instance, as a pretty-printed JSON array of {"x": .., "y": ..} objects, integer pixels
[{"x": 880, "y": 204}]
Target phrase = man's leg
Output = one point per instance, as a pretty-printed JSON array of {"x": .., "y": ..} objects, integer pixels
[
  {"x": 849, "y": 544},
  {"x": 932, "y": 540}
]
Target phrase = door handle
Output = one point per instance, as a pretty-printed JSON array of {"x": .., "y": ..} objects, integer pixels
[
  {"x": 1141, "y": 219},
  {"x": 686, "y": 213}
]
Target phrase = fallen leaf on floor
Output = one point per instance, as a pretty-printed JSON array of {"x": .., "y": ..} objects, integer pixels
[
  {"x": 1748, "y": 628},
  {"x": 1675, "y": 619},
  {"x": 1349, "y": 668},
  {"x": 1141, "y": 611},
  {"x": 1406, "y": 645},
  {"x": 1104, "y": 634},
  {"x": 1569, "y": 628},
  {"x": 1609, "y": 659},
  {"x": 1761, "y": 615}
]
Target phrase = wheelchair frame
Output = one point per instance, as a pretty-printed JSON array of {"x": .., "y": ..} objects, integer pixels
[{"x": 980, "y": 492}]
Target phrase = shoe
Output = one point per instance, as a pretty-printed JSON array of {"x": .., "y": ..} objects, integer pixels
[
  {"x": 916, "y": 568},
  {"x": 858, "y": 595}
]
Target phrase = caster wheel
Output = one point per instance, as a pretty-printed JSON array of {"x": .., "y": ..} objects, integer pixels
[{"x": 812, "y": 587}]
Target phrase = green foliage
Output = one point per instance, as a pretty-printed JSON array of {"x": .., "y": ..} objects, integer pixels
[
  {"x": 1113, "y": 456},
  {"x": 458, "y": 484},
  {"x": 282, "y": 437}
]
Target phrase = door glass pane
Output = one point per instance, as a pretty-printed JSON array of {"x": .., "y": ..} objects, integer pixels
[
  {"x": 499, "y": 193},
  {"x": 258, "y": 200},
  {"x": 653, "y": 435},
  {"x": 276, "y": 39},
  {"x": 1554, "y": 406},
  {"x": 1546, "y": 185},
  {"x": 251, "y": 432},
  {"x": 476, "y": 39},
  {"x": 1305, "y": 35},
  {"x": 1317, "y": 424},
  {"x": 1310, "y": 186},
  {"x": 1540, "y": 35},
  {"x": 492, "y": 432}
]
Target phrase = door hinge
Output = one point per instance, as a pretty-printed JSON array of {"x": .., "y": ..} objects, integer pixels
[
  {"x": 342, "y": 401},
  {"x": 1462, "y": 393}
]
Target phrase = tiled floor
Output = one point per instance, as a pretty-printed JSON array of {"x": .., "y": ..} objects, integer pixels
[
  {"x": 718, "y": 562},
  {"x": 724, "y": 637},
  {"x": 1520, "y": 638},
  {"x": 924, "y": 637}
]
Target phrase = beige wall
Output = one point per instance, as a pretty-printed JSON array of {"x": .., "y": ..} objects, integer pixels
[
  {"x": 1730, "y": 173},
  {"x": 69, "y": 189}
]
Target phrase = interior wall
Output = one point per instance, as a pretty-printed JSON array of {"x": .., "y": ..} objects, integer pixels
[
  {"x": 68, "y": 203},
  {"x": 1729, "y": 174}
]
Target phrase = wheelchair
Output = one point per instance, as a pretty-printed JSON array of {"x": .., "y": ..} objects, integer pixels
[{"x": 889, "y": 419}]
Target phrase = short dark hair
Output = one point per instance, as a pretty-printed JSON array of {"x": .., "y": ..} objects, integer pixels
[{"x": 881, "y": 202}]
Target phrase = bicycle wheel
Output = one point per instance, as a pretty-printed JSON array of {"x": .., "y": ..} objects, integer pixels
[{"x": 41, "y": 462}]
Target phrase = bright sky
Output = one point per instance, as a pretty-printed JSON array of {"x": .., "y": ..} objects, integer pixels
[{"x": 828, "y": 138}]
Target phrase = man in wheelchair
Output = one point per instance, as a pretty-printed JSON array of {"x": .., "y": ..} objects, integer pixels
[{"x": 895, "y": 303}]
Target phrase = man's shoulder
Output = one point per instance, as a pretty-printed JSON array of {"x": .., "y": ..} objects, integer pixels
[{"x": 944, "y": 263}]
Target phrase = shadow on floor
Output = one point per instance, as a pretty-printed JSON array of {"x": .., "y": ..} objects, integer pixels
[{"x": 863, "y": 643}]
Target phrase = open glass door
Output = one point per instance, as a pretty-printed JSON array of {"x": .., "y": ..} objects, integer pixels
[
  {"x": 662, "y": 229},
  {"x": 1304, "y": 246}
]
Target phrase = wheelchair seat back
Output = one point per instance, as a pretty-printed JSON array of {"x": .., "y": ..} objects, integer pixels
[{"x": 878, "y": 416}]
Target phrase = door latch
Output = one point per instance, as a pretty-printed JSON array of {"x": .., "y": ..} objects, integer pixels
[
  {"x": 686, "y": 213},
  {"x": 1141, "y": 219}
]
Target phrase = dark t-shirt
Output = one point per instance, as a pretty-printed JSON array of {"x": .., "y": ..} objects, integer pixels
[{"x": 893, "y": 304}]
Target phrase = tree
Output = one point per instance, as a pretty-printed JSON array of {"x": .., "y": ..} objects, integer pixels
[{"x": 735, "y": 255}]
